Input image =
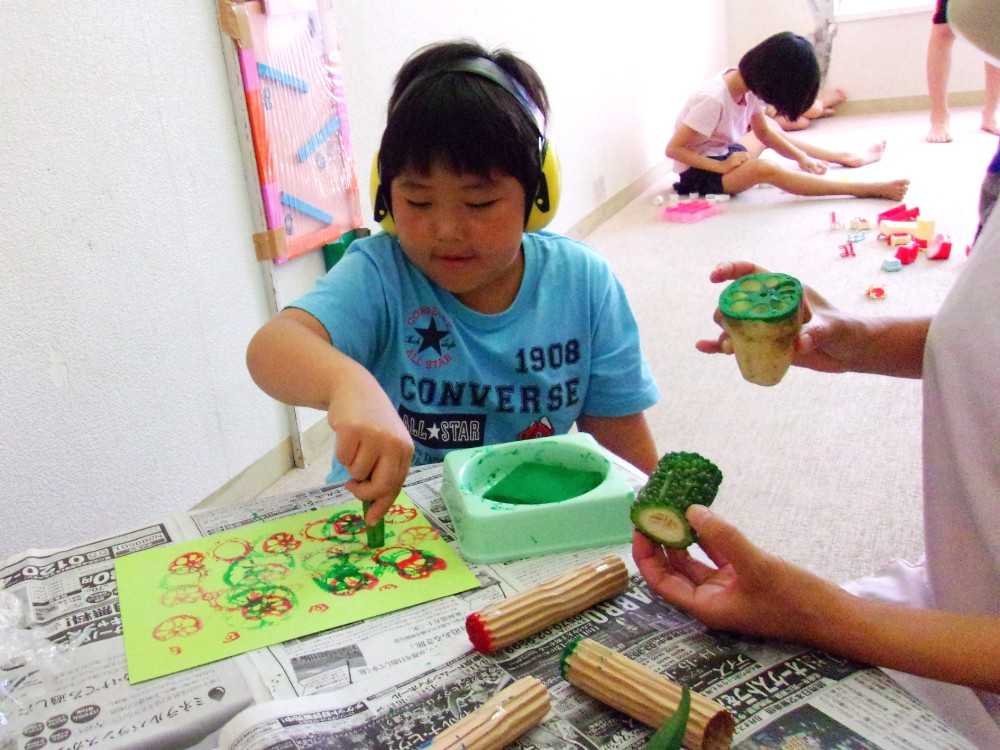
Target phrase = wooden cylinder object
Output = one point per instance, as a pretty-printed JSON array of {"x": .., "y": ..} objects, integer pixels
[
  {"x": 503, "y": 623},
  {"x": 501, "y": 720},
  {"x": 644, "y": 695}
]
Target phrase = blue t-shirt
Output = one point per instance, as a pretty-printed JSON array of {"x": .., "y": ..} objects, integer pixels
[{"x": 568, "y": 345}]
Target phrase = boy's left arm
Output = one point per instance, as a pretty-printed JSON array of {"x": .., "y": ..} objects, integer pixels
[
  {"x": 773, "y": 137},
  {"x": 628, "y": 437}
]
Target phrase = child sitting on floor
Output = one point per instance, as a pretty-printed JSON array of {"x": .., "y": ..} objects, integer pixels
[
  {"x": 782, "y": 72},
  {"x": 461, "y": 325}
]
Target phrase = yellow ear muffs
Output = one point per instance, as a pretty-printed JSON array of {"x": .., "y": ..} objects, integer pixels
[
  {"x": 546, "y": 199},
  {"x": 543, "y": 205},
  {"x": 380, "y": 199}
]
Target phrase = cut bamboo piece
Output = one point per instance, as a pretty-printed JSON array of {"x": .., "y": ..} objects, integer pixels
[
  {"x": 644, "y": 695},
  {"x": 514, "y": 619},
  {"x": 501, "y": 720}
]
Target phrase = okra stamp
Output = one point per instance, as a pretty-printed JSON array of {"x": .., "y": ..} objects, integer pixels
[
  {"x": 646, "y": 696},
  {"x": 503, "y": 623}
]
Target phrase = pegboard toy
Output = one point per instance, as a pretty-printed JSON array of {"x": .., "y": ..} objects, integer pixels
[
  {"x": 535, "y": 497},
  {"x": 290, "y": 72},
  {"x": 511, "y": 620},
  {"x": 690, "y": 211},
  {"x": 648, "y": 697}
]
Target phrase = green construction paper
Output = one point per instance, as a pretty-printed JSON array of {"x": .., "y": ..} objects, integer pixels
[{"x": 192, "y": 603}]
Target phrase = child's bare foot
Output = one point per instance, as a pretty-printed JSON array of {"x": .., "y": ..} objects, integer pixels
[
  {"x": 873, "y": 154},
  {"x": 894, "y": 190},
  {"x": 939, "y": 131},
  {"x": 831, "y": 99},
  {"x": 990, "y": 124}
]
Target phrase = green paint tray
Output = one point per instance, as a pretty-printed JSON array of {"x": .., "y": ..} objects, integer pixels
[{"x": 535, "y": 497}]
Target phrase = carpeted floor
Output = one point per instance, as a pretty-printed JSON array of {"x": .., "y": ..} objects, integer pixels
[
  {"x": 821, "y": 469},
  {"x": 824, "y": 470}
]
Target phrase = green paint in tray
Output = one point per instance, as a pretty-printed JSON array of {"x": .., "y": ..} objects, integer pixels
[{"x": 535, "y": 483}]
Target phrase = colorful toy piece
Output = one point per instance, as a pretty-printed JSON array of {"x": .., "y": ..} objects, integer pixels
[
  {"x": 875, "y": 292},
  {"x": 834, "y": 223},
  {"x": 859, "y": 224},
  {"x": 895, "y": 240},
  {"x": 512, "y": 620},
  {"x": 690, "y": 211},
  {"x": 646, "y": 696},
  {"x": 517, "y": 708},
  {"x": 899, "y": 213},
  {"x": 906, "y": 254},
  {"x": 856, "y": 236},
  {"x": 940, "y": 248},
  {"x": 847, "y": 250},
  {"x": 892, "y": 264},
  {"x": 924, "y": 231},
  {"x": 897, "y": 227}
]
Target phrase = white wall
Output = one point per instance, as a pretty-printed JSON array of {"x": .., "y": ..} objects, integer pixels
[
  {"x": 130, "y": 288},
  {"x": 874, "y": 58}
]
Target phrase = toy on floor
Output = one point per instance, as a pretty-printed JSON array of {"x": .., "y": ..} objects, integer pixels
[
  {"x": 505, "y": 622},
  {"x": 762, "y": 314},
  {"x": 899, "y": 213},
  {"x": 690, "y": 211},
  {"x": 835, "y": 224},
  {"x": 892, "y": 264},
  {"x": 906, "y": 254},
  {"x": 513, "y": 711},
  {"x": 859, "y": 224},
  {"x": 646, "y": 696},
  {"x": 940, "y": 248},
  {"x": 847, "y": 250},
  {"x": 876, "y": 292},
  {"x": 679, "y": 481}
]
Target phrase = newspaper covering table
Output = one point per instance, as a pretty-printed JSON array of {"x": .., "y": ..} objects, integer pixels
[{"x": 397, "y": 680}]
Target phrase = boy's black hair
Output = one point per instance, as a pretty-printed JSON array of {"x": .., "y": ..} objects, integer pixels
[
  {"x": 467, "y": 122},
  {"x": 783, "y": 71}
]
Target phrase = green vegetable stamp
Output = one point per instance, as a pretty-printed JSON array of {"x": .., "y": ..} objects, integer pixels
[
  {"x": 762, "y": 313},
  {"x": 679, "y": 481}
]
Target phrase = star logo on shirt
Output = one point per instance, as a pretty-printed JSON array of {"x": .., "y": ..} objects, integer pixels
[
  {"x": 434, "y": 432},
  {"x": 430, "y": 337}
]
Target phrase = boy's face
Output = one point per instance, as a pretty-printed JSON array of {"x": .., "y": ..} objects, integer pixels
[{"x": 464, "y": 232}]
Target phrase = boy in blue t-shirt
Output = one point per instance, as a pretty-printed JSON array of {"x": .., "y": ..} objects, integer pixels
[{"x": 462, "y": 325}]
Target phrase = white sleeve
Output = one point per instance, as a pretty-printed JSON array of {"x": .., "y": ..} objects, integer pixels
[{"x": 704, "y": 115}]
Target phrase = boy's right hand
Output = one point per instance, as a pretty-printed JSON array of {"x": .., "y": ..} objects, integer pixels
[
  {"x": 830, "y": 341},
  {"x": 372, "y": 442},
  {"x": 734, "y": 160}
]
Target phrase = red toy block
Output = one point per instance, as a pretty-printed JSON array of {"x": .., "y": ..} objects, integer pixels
[
  {"x": 899, "y": 213},
  {"x": 940, "y": 249},
  {"x": 907, "y": 253}
]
